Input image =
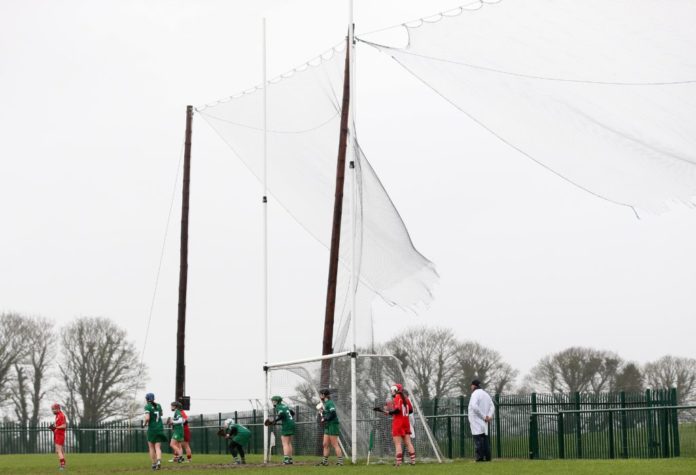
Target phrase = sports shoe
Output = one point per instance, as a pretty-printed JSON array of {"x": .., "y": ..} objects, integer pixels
[{"x": 322, "y": 463}]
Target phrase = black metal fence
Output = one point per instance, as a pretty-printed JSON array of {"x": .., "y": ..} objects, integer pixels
[{"x": 608, "y": 425}]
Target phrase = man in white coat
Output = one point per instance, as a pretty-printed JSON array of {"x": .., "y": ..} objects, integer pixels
[{"x": 481, "y": 410}]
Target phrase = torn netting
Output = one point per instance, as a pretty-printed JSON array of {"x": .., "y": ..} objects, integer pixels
[
  {"x": 304, "y": 109},
  {"x": 601, "y": 93}
]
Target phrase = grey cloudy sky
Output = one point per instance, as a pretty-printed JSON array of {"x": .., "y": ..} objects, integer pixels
[{"x": 93, "y": 98}]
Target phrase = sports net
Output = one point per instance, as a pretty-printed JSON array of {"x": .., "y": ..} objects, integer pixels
[
  {"x": 299, "y": 383},
  {"x": 601, "y": 93},
  {"x": 303, "y": 121}
]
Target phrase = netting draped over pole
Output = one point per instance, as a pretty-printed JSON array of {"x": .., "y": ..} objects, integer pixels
[
  {"x": 303, "y": 114},
  {"x": 601, "y": 93}
]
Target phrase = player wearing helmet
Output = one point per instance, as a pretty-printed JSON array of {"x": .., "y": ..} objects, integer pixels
[
  {"x": 58, "y": 427},
  {"x": 287, "y": 429},
  {"x": 401, "y": 427},
  {"x": 329, "y": 417},
  {"x": 237, "y": 437},
  {"x": 155, "y": 430},
  {"x": 177, "y": 424}
]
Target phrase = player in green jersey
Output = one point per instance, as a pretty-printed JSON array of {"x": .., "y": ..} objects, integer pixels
[
  {"x": 329, "y": 417},
  {"x": 177, "y": 424},
  {"x": 284, "y": 415},
  {"x": 237, "y": 437},
  {"x": 155, "y": 430}
]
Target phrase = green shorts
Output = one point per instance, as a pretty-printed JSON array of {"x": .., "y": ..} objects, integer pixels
[
  {"x": 242, "y": 439},
  {"x": 332, "y": 429},
  {"x": 287, "y": 429},
  {"x": 156, "y": 437},
  {"x": 177, "y": 437}
]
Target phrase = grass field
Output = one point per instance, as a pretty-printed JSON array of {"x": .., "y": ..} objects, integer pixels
[{"x": 209, "y": 464}]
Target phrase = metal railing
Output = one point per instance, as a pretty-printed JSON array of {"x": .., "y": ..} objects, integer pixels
[
  {"x": 636, "y": 432},
  {"x": 614, "y": 425}
]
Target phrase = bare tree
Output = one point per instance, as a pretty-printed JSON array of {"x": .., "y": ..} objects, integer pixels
[
  {"x": 673, "y": 372},
  {"x": 100, "y": 370},
  {"x": 629, "y": 379},
  {"x": 475, "y": 361},
  {"x": 31, "y": 373},
  {"x": 429, "y": 358},
  {"x": 12, "y": 350},
  {"x": 576, "y": 369}
]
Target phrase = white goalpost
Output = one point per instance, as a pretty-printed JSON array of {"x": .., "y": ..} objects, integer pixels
[{"x": 358, "y": 383}]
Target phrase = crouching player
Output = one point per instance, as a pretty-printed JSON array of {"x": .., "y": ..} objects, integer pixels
[
  {"x": 177, "y": 423},
  {"x": 58, "y": 427},
  {"x": 329, "y": 418},
  {"x": 237, "y": 437}
]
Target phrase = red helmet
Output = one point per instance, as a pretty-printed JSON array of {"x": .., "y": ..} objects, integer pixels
[
  {"x": 396, "y": 388},
  {"x": 55, "y": 406}
]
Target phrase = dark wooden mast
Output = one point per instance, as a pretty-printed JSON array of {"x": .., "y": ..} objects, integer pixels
[
  {"x": 327, "y": 346},
  {"x": 183, "y": 264}
]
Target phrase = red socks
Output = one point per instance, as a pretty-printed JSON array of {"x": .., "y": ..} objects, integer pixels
[{"x": 399, "y": 459}]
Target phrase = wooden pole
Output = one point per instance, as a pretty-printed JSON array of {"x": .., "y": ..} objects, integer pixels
[
  {"x": 183, "y": 264},
  {"x": 327, "y": 346}
]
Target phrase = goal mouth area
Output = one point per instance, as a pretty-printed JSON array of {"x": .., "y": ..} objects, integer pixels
[{"x": 359, "y": 385}]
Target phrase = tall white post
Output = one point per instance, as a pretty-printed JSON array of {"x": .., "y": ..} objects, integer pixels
[
  {"x": 354, "y": 263},
  {"x": 264, "y": 205}
]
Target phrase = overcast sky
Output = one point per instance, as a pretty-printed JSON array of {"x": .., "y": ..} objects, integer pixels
[{"x": 93, "y": 97}]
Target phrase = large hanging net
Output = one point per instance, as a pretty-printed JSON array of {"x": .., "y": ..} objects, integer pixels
[
  {"x": 602, "y": 93},
  {"x": 303, "y": 121}
]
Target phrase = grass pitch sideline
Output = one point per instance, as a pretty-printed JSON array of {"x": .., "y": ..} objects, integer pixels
[{"x": 212, "y": 464}]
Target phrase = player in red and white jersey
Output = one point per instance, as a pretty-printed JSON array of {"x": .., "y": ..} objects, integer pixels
[
  {"x": 58, "y": 427},
  {"x": 186, "y": 443},
  {"x": 401, "y": 425}
]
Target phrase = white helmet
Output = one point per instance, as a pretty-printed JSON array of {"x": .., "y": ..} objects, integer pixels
[{"x": 228, "y": 422}]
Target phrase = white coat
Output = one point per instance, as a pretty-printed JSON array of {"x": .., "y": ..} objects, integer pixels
[{"x": 480, "y": 406}]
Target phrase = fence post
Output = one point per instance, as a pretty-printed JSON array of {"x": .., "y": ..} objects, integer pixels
[
  {"x": 612, "y": 449},
  {"x": 533, "y": 431},
  {"x": 651, "y": 427},
  {"x": 449, "y": 437},
  {"x": 497, "y": 426},
  {"x": 676, "y": 449},
  {"x": 664, "y": 430},
  {"x": 253, "y": 421},
  {"x": 204, "y": 435},
  {"x": 561, "y": 436},
  {"x": 436, "y": 403},
  {"x": 461, "y": 427},
  {"x": 624, "y": 426},
  {"x": 578, "y": 426}
]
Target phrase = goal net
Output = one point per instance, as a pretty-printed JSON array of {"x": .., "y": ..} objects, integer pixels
[{"x": 364, "y": 433}]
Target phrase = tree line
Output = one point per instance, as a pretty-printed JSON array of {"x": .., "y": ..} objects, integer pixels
[
  {"x": 89, "y": 365},
  {"x": 439, "y": 365}
]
